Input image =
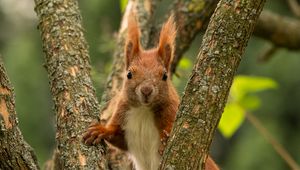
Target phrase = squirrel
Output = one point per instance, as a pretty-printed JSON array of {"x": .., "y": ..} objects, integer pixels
[{"x": 147, "y": 104}]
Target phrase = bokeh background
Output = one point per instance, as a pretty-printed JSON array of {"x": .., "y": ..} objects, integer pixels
[{"x": 21, "y": 49}]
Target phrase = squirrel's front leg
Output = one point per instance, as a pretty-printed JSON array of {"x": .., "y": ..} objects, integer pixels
[
  {"x": 96, "y": 132},
  {"x": 112, "y": 132}
]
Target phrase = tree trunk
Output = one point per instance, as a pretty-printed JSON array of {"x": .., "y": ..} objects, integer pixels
[
  {"x": 68, "y": 67},
  {"x": 15, "y": 153},
  {"x": 207, "y": 90}
]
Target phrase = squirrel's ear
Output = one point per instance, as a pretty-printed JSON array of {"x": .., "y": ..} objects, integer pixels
[
  {"x": 166, "y": 42},
  {"x": 132, "y": 45}
]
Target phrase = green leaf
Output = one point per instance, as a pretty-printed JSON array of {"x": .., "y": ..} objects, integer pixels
[
  {"x": 185, "y": 63},
  {"x": 241, "y": 99},
  {"x": 123, "y": 4},
  {"x": 250, "y": 102},
  {"x": 231, "y": 120},
  {"x": 243, "y": 85}
]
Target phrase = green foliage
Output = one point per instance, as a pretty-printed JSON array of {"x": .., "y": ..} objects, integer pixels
[
  {"x": 123, "y": 4},
  {"x": 242, "y": 97},
  {"x": 196, "y": 5},
  {"x": 185, "y": 63},
  {"x": 244, "y": 85},
  {"x": 232, "y": 119},
  {"x": 182, "y": 73}
]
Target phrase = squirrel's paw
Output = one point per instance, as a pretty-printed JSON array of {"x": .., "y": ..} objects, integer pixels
[{"x": 94, "y": 134}]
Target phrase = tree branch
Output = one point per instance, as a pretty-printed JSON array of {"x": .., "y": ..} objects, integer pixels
[
  {"x": 191, "y": 18},
  {"x": 207, "y": 90},
  {"x": 15, "y": 153},
  {"x": 295, "y": 7},
  {"x": 68, "y": 67},
  {"x": 281, "y": 31},
  {"x": 282, "y": 152},
  {"x": 266, "y": 53}
]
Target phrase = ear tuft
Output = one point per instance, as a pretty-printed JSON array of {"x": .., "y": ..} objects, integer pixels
[
  {"x": 167, "y": 41},
  {"x": 132, "y": 45}
]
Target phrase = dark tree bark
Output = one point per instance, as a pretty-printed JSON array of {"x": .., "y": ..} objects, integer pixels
[
  {"x": 191, "y": 18},
  {"x": 281, "y": 31},
  {"x": 15, "y": 153},
  {"x": 207, "y": 90},
  {"x": 68, "y": 67}
]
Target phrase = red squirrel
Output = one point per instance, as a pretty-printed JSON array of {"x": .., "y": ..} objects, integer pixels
[{"x": 147, "y": 104}]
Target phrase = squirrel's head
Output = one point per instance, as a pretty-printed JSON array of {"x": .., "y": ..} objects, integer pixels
[{"x": 147, "y": 71}]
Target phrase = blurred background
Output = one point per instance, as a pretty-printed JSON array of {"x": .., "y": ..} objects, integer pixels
[{"x": 246, "y": 149}]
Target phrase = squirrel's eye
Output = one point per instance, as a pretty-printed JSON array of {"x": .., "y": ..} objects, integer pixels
[
  {"x": 129, "y": 75},
  {"x": 165, "y": 76}
]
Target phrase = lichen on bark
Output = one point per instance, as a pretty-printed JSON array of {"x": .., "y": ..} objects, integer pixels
[
  {"x": 15, "y": 153},
  {"x": 68, "y": 67}
]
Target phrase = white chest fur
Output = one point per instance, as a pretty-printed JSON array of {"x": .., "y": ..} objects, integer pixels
[{"x": 142, "y": 138}]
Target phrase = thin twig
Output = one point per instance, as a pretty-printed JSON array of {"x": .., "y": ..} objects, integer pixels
[
  {"x": 295, "y": 7},
  {"x": 267, "y": 53},
  {"x": 276, "y": 145}
]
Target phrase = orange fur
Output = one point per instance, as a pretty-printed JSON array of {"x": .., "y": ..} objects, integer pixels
[
  {"x": 132, "y": 44},
  {"x": 146, "y": 88},
  {"x": 167, "y": 41}
]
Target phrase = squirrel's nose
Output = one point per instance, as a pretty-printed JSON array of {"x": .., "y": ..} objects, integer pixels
[{"x": 146, "y": 91}]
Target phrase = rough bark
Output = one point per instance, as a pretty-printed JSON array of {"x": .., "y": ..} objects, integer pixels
[
  {"x": 191, "y": 18},
  {"x": 281, "y": 31},
  {"x": 207, "y": 90},
  {"x": 15, "y": 153},
  {"x": 68, "y": 67}
]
